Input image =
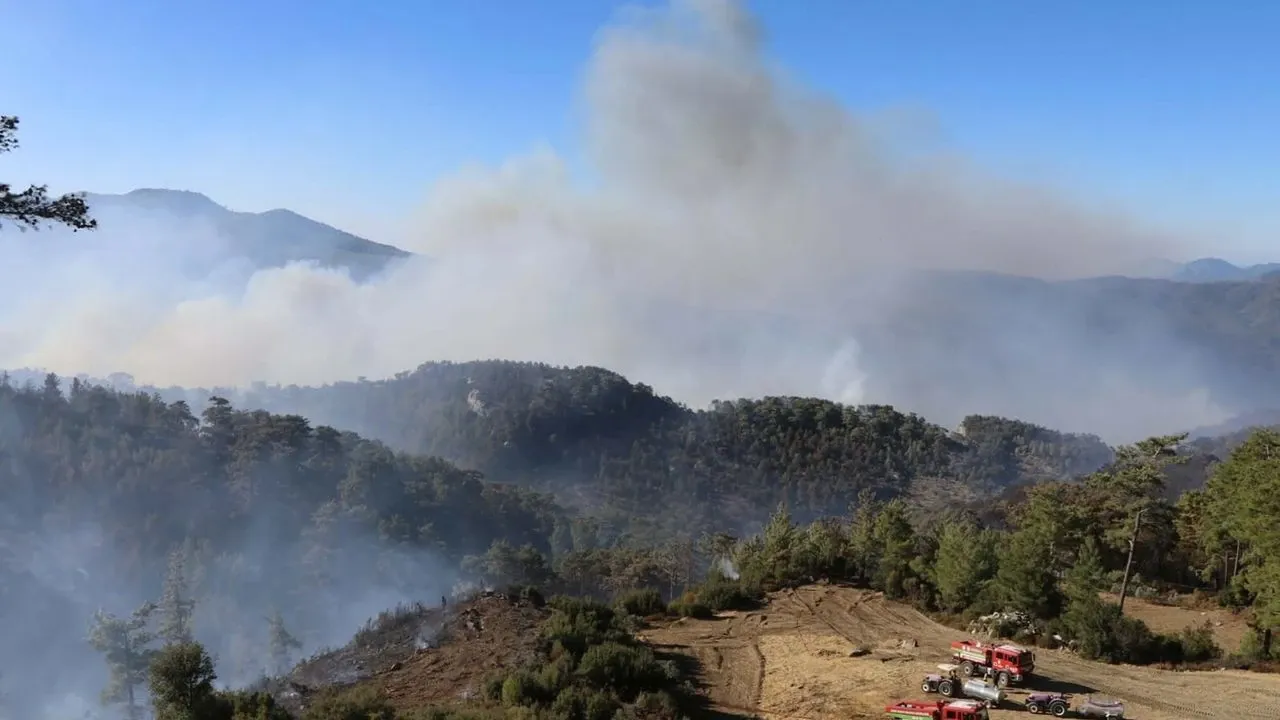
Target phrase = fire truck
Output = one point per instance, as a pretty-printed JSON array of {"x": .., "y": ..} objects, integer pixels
[
  {"x": 1009, "y": 664},
  {"x": 941, "y": 710}
]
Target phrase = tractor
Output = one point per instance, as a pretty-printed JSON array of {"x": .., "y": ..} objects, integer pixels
[
  {"x": 940, "y": 710},
  {"x": 1009, "y": 664},
  {"x": 950, "y": 684}
]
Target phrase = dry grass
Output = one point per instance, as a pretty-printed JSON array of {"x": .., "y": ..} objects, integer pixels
[{"x": 792, "y": 660}]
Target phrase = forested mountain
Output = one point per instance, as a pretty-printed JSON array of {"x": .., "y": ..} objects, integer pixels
[
  {"x": 596, "y": 439},
  {"x": 102, "y": 493}
]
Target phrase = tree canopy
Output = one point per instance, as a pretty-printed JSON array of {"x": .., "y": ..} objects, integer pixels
[{"x": 33, "y": 207}]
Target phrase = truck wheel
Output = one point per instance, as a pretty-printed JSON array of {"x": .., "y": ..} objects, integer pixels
[
  {"x": 966, "y": 668},
  {"x": 1002, "y": 680},
  {"x": 1033, "y": 707},
  {"x": 946, "y": 688},
  {"x": 1058, "y": 709}
]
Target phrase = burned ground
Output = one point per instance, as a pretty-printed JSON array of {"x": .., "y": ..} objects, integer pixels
[{"x": 424, "y": 655}]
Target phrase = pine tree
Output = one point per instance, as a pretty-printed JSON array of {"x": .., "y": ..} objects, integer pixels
[
  {"x": 965, "y": 561},
  {"x": 1026, "y": 579},
  {"x": 181, "y": 680},
  {"x": 779, "y": 542},
  {"x": 863, "y": 554},
  {"x": 281, "y": 643},
  {"x": 176, "y": 606},
  {"x": 124, "y": 642},
  {"x": 1087, "y": 575},
  {"x": 33, "y": 208},
  {"x": 894, "y": 541}
]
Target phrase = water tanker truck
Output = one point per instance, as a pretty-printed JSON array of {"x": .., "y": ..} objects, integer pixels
[
  {"x": 940, "y": 710},
  {"x": 1009, "y": 664}
]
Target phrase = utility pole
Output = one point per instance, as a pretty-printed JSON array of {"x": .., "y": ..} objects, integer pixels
[{"x": 1133, "y": 541}]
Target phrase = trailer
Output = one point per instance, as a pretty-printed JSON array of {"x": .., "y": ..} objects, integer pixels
[
  {"x": 940, "y": 710},
  {"x": 1105, "y": 708},
  {"x": 1008, "y": 664}
]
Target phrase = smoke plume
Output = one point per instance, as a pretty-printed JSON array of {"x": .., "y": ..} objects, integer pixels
[{"x": 742, "y": 235}]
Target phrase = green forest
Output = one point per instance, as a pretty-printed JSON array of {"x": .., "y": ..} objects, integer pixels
[{"x": 258, "y": 533}]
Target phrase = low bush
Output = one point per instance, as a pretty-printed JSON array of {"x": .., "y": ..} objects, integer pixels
[
  {"x": 687, "y": 605},
  {"x": 642, "y": 603},
  {"x": 1102, "y": 632},
  {"x": 724, "y": 594},
  {"x": 1198, "y": 645},
  {"x": 361, "y": 703}
]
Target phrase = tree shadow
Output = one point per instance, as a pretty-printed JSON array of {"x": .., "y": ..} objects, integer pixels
[
  {"x": 696, "y": 701},
  {"x": 1043, "y": 684}
]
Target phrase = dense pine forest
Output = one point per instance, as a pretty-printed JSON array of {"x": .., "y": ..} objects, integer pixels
[{"x": 138, "y": 523}]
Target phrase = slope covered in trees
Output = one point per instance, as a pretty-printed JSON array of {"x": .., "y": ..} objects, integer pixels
[
  {"x": 104, "y": 494},
  {"x": 593, "y": 437}
]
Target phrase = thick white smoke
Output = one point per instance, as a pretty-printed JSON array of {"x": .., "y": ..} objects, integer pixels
[{"x": 740, "y": 227}]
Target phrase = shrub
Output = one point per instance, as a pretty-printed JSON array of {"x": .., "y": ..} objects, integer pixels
[
  {"x": 578, "y": 624},
  {"x": 1251, "y": 648},
  {"x": 363, "y": 703},
  {"x": 584, "y": 703},
  {"x": 241, "y": 705},
  {"x": 656, "y": 705},
  {"x": 1104, "y": 633},
  {"x": 627, "y": 670},
  {"x": 687, "y": 605},
  {"x": 520, "y": 688},
  {"x": 1198, "y": 644},
  {"x": 642, "y": 603},
  {"x": 720, "y": 594},
  {"x": 492, "y": 689}
]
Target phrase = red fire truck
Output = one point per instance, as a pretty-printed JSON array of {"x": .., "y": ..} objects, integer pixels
[{"x": 1010, "y": 664}]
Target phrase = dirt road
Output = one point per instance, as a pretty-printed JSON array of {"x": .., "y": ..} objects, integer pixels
[{"x": 792, "y": 659}]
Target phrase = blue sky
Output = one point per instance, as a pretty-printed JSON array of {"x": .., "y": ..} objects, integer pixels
[{"x": 347, "y": 111}]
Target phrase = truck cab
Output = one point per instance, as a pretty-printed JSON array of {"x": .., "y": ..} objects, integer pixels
[{"x": 1008, "y": 663}]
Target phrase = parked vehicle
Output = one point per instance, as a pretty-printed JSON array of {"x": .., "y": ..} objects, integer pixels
[
  {"x": 1055, "y": 704},
  {"x": 946, "y": 684},
  {"x": 940, "y": 710},
  {"x": 1106, "y": 708},
  {"x": 977, "y": 689},
  {"x": 1008, "y": 664}
]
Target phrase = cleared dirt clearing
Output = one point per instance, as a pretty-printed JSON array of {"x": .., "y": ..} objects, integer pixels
[
  {"x": 1229, "y": 629},
  {"x": 793, "y": 659}
]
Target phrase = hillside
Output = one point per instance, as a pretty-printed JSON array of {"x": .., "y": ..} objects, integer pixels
[
  {"x": 595, "y": 439},
  {"x": 103, "y": 495}
]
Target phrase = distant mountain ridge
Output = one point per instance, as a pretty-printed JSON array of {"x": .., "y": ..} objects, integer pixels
[
  {"x": 1219, "y": 270},
  {"x": 268, "y": 239}
]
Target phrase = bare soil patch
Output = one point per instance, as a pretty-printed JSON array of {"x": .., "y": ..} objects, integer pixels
[
  {"x": 1229, "y": 628},
  {"x": 836, "y": 652}
]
